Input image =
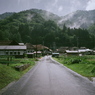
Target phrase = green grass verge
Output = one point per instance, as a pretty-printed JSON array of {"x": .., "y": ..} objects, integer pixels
[
  {"x": 84, "y": 65},
  {"x": 9, "y": 74}
]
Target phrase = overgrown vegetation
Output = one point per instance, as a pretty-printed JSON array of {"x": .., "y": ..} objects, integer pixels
[
  {"x": 84, "y": 65},
  {"x": 9, "y": 74}
]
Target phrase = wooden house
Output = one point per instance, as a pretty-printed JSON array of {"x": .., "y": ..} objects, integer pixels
[
  {"x": 72, "y": 52},
  {"x": 30, "y": 50},
  {"x": 12, "y": 48},
  {"x": 85, "y": 51},
  {"x": 62, "y": 49},
  {"x": 79, "y": 52},
  {"x": 44, "y": 50},
  {"x": 37, "y": 53}
]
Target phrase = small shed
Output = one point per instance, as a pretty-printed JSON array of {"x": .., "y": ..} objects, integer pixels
[
  {"x": 39, "y": 53},
  {"x": 55, "y": 54},
  {"x": 30, "y": 55}
]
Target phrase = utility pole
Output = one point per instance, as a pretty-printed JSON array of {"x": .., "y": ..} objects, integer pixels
[
  {"x": 93, "y": 41},
  {"x": 54, "y": 46},
  {"x": 77, "y": 42},
  {"x": 43, "y": 49},
  {"x": 36, "y": 47}
]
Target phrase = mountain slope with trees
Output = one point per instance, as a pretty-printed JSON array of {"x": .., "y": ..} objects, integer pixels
[
  {"x": 4, "y": 15},
  {"x": 30, "y": 26},
  {"x": 78, "y": 19}
]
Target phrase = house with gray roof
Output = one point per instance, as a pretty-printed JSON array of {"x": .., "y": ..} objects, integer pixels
[
  {"x": 79, "y": 52},
  {"x": 12, "y": 48},
  {"x": 30, "y": 50}
]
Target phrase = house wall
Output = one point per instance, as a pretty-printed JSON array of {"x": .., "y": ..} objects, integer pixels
[
  {"x": 2, "y": 52},
  {"x": 29, "y": 50},
  {"x": 12, "y": 52}
]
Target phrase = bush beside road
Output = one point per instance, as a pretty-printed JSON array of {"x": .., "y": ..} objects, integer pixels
[{"x": 84, "y": 65}]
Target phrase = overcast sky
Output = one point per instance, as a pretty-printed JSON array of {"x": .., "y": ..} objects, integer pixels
[{"x": 59, "y": 7}]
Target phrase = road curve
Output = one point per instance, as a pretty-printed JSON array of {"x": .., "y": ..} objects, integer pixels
[{"x": 51, "y": 78}]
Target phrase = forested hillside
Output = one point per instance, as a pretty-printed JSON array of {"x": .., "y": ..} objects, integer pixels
[
  {"x": 7, "y": 14},
  {"x": 31, "y": 26},
  {"x": 78, "y": 19}
]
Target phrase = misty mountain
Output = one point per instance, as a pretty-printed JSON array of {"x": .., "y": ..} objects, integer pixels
[
  {"x": 25, "y": 26},
  {"x": 47, "y": 15},
  {"x": 78, "y": 19},
  {"x": 18, "y": 26},
  {"x": 7, "y": 14},
  {"x": 39, "y": 26}
]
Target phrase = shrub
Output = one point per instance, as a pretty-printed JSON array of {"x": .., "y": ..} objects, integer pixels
[
  {"x": 76, "y": 61},
  {"x": 93, "y": 70}
]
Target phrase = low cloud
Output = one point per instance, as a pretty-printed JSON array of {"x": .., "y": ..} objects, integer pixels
[
  {"x": 30, "y": 16},
  {"x": 59, "y": 7},
  {"x": 63, "y": 7},
  {"x": 90, "y": 5}
]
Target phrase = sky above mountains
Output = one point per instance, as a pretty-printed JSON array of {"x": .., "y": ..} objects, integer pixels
[{"x": 59, "y": 7}]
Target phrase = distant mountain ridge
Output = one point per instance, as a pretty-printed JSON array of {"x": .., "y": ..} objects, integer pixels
[
  {"x": 77, "y": 19},
  {"x": 7, "y": 14},
  {"x": 47, "y": 15}
]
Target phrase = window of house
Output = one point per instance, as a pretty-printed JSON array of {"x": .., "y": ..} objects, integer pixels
[
  {"x": 6, "y": 53},
  {"x": 18, "y": 53},
  {"x": 14, "y": 53},
  {"x": 11, "y": 53}
]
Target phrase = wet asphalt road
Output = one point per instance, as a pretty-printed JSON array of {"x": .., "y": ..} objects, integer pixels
[{"x": 51, "y": 78}]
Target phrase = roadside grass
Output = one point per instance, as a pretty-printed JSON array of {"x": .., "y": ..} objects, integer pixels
[
  {"x": 84, "y": 65},
  {"x": 9, "y": 74}
]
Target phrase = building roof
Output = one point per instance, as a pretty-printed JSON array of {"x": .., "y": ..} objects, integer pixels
[
  {"x": 29, "y": 46},
  {"x": 17, "y": 47},
  {"x": 84, "y": 50},
  {"x": 21, "y": 44},
  {"x": 68, "y": 51},
  {"x": 8, "y": 43},
  {"x": 29, "y": 53},
  {"x": 55, "y": 53},
  {"x": 78, "y": 51},
  {"x": 40, "y": 47},
  {"x": 38, "y": 52}
]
